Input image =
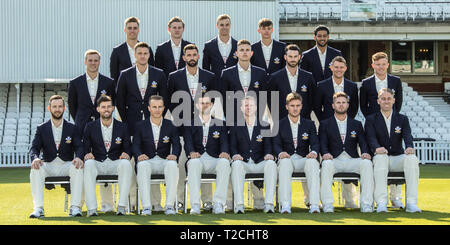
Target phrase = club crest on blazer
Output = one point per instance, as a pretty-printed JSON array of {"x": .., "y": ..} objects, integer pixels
[
  {"x": 305, "y": 136},
  {"x": 166, "y": 139},
  {"x": 154, "y": 84},
  {"x": 353, "y": 134},
  {"x": 397, "y": 130},
  {"x": 393, "y": 91},
  {"x": 259, "y": 138},
  {"x": 103, "y": 92},
  {"x": 304, "y": 88},
  {"x": 118, "y": 140},
  {"x": 256, "y": 84},
  {"x": 204, "y": 89},
  {"x": 276, "y": 60},
  {"x": 235, "y": 57},
  {"x": 216, "y": 134},
  {"x": 68, "y": 140}
]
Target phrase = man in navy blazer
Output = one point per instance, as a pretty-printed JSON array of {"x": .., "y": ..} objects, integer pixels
[
  {"x": 317, "y": 59},
  {"x": 268, "y": 53},
  {"x": 206, "y": 144},
  {"x": 385, "y": 131},
  {"x": 323, "y": 98},
  {"x": 60, "y": 142},
  {"x": 168, "y": 55},
  {"x": 219, "y": 52},
  {"x": 122, "y": 56},
  {"x": 297, "y": 146},
  {"x": 136, "y": 85},
  {"x": 156, "y": 148},
  {"x": 251, "y": 149},
  {"x": 108, "y": 152},
  {"x": 380, "y": 79},
  {"x": 292, "y": 79},
  {"x": 340, "y": 135}
]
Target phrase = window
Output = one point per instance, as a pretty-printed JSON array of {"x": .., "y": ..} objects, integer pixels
[{"x": 413, "y": 57}]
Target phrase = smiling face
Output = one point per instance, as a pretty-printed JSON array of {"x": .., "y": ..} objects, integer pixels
[
  {"x": 204, "y": 105},
  {"x": 386, "y": 101},
  {"x": 338, "y": 68},
  {"x": 224, "y": 27},
  {"x": 292, "y": 58},
  {"x": 92, "y": 62},
  {"x": 132, "y": 30},
  {"x": 105, "y": 109},
  {"x": 191, "y": 57},
  {"x": 321, "y": 38},
  {"x": 380, "y": 67},
  {"x": 57, "y": 108}
]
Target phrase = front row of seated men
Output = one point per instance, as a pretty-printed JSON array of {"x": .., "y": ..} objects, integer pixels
[{"x": 229, "y": 153}]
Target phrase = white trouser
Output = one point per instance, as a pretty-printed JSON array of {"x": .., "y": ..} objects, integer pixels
[
  {"x": 211, "y": 165},
  {"x": 395, "y": 192},
  {"x": 383, "y": 164},
  {"x": 120, "y": 167},
  {"x": 297, "y": 163},
  {"x": 57, "y": 167},
  {"x": 157, "y": 165},
  {"x": 240, "y": 168},
  {"x": 346, "y": 164}
]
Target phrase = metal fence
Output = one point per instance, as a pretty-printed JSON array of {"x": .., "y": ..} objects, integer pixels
[{"x": 426, "y": 151}]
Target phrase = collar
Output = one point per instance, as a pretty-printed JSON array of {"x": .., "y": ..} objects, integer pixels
[
  {"x": 320, "y": 53},
  {"x": 335, "y": 84},
  {"x": 174, "y": 45},
  {"x": 289, "y": 73},
  {"x": 344, "y": 121},
  {"x": 105, "y": 127},
  {"x": 154, "y": 125},
  {"x": 141, "y": 74},
  {"x": 264, "y": 46},
  {"x": 377, "y": 80},
  {"x": 203, "y": 122},
  {"x": 389, "y": 117},
  {"x": 219, "y": 41},
  {"x": 88, "y": 78},
  {"x": 60, "y": 126},
  {"x": 240, "y": 69},
  {"x": 298, "y": 123},
  {"x": 189, "y": 74},
  {"x": 253, "y": 124}
]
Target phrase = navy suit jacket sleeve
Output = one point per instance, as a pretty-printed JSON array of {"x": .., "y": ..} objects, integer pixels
[
  {"x": 77, "y": 144},
  {"x": 362, "y": 139},
  {"x": 176, "y": 145},
  {"x": 206, "y": 62},
  {"x": 127, "y": 146},
  {"x": 354, "y": 102},
  {"x": 36, "y": 145},
  {"x": 277, "y": 145},
  {"x": 371, "y": 135},
  {"x": 121, "y": 95},
  {"x": 72, "y": 99},
  {"x": 233, "y": 142},
  {"x": 188, "y": 141},
  {"x": 407, "y": 136},
  {"x": 224, "y": 147},
  {"x": 398, "y": 96},
  {"x": 87, "y": 139},
  {"x": 323, "y": 137},
  {"x": 314, "y": 139},
  {"x": 363, "y": 99},
  {"x": 318, "y": 101},
  {"x": 137, "y": 138},
  {"x": 114, "y": 65}
]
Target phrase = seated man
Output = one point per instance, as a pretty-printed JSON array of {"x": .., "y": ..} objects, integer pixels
[
  {"x": 297, "y": 146},
  {"x": 385, "y": 131},
  {"x": 107, "y": 145},
  {"x": 59, "y": 140},
  {"x": 339, "y": 137},
  {"x": 153, "y": 140},
  {"x": 206, "y": 142},
  {"x": 252, "y": 153}
]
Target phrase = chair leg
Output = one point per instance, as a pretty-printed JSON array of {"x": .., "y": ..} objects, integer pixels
[
  {"x": 185, "y": 196},
  {"x": 137, "y": 200},
  {"x": 339, "y": 192},
  {"x": 66, "y": 201}
]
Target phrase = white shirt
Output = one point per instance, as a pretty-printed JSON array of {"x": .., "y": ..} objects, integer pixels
[
  {"x": 388, "y": 120},
  {"x": 107, "y": 134},
  {"x": 224, "y": 48},
  {"x": 294, "y": 129},
  {"x": 142, "y": 81},
  {"x": 176, "y": 50},
  {"x": 156, "y": 129},
  {"x": 322, "y": 57},
  {"x": 92, "y": 87},
  {"x": 205, "y": 126},
  {"x": 131, "y": 53},
  {"x": 244, "y": 77},
  {"x": 192, "y": 81},
  {"x": 338, "y": 88},
  {"x": 267, "y": 51},
  {"x": 57, "y": 133},
  {"x": 250, "y": 128},
  {"x": 293, "y": 79},
  {"x": 342, "y": 125},
  {"x": 380, "y": 83}
]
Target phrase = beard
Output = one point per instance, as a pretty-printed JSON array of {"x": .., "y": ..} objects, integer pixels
[
  {"x": 106, "y": 117},
  {"x": 292, "y": 64},
  {"x": 192, "y": 63},
  {"x": 322, "y": 45},
  {"x": 341, "y": 112},
  {"x": 57, "y": 117}
]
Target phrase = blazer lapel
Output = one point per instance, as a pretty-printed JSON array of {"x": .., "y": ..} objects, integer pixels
[
  {"x": 215, "y": 45},
  {"x": 114, "y": 135},
  {"x": 126, "y": 54},
  {"x": 85, "y": 87},
  {"x": 335, "y": 128}
]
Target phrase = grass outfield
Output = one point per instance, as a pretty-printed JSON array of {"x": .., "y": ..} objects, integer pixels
[{"x": 434, "y": 199}]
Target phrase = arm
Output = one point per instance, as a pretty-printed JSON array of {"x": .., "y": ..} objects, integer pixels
[
  {"x": 206, "y": 61},
  {"x": 87, "y": 140},
  {"x": 77, "y": 144},
  {"x": 170, "y": 91},
  {"x": 354, "y": 103},
  {"x": 136, "y": 146},
  {"x": 114, "y": 66},
  {"x": 233, "y": 142},
  {"x": 176, "y": 145},
  {"x": 371, "y": 136},
  {"x": 363, "y": 100},
  {"x": 318, "y": 100},
  {"x": 399, "y": 96},
  {"x": 127, "y": 142},
  {"x": 323, "y": 138},
  {"x": 36, "y": 145},
  {"x": 407, "y": 137},
  {"x": 159, "y": 58},
  {"x": 188, "y": 140},
  {"x": 121, "y": 95},
  {"x": 224, "y": 147},
  {"x": 163, "y": 91},
  {"x": 314, "y": 139},
  {"x": 362, "y": 140},
  {"x": 151, "y": 59},
  {"x": 72, "y": 99}
]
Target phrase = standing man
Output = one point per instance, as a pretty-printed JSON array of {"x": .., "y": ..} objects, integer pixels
[
  {"x": 340, "y": 135},
  {"x": 317, "y": 59},
  {"x": 296, "y": 146},
  {"x": 268, "y": 53},
  {"x": 385, "y": 131},
  {"x": 108, "y": 151},
  {"x": 206, "y": 142},
  {"x": 252, "y": 153},
  {"x": 195, "y": 81},
  {"x": 60, "y": 141},
  {"x": 122, "y": 56},
  {"x": 156, "y": 146},
  {"x": 336, "y": 83},
  {"x": 368, "y": 95},
  {"x": 168, "y": 55}
]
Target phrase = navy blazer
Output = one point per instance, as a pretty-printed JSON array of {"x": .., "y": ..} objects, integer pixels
[
  {"x": 377, "y": 133},
  {"x": 310, "y": 61},
  {"x": 164, "y": 57},
  {"x": 93, "y": 141},
  {"x": 80, "y": 104},
  {"x": 331, "y": 142},
  {"x": 256, "y": 148},
  {"x": 70, "y": 143},
  {"x": 129, "y": 101},
  {"x": 279, "y": 82},
  {"x": 212, "y": 59},
  {"x": 120, "y": 60},
  {"x": 277, "y": 60},
  {"x": 307, "y": 139},
  {"x": 217, "y": 138},
  {"x": 323, "y": 98},
  {"x": 229, "y": 81},
  {"x": 178, "y": 82},
  {"x": 368, "y": 94},
  {"x": 168, "y": 142}
]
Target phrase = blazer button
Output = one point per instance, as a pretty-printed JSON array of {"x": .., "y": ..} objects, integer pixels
[
  {"x": 142, "y": 111},
  {"x": 343, "y": 148},
  {"x": 57, "y": 154},
  {"x": 250, "y": 151}
]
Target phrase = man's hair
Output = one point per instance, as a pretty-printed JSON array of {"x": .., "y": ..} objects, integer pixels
[
  {"x": 156, "y": 97},
  {"x": 91, "y": 51},
  {"x": 339, "y": 59},
  {"x": 340, "y": 94},
  {"x": 223, "y": 17},
  {"x": 55, "y": 97},
  {"x": 379, "y": 55},
  {"x": 321, "y": 28},
  {"x": 265, "y": 22},
  {"x": 131, "y": 19},
  {"x": 244, "y": 42},
  {"x": 190, "y": 47},
  {"x": 292, "y": 47},
  {"x": 385, "y": 90},
  {"x": 293, "y": 96},
  {"x": 175, "y": 19},
  {"x": 141, "y": 45},
  {"x": 103, "y": 98}
]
